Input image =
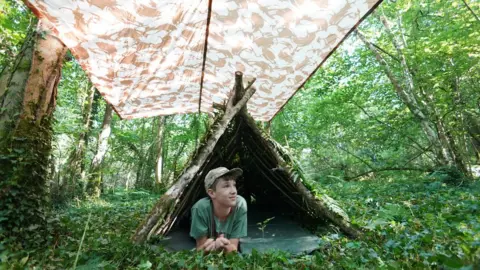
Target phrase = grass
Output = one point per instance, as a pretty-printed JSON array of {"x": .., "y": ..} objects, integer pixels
[{"x": 412, "y": 223}]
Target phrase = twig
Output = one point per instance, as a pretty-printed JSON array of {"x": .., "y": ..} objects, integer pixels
[
  {"x": 385, "y": 52},
  {"x": 387, "y": 169},
  {"x": 81, "y": 241},
  {"x": 388, "y": 125},
  {"x": 355, "y": 156},
  {"x": 417, "y": 156},
  {"x": 473, "y": 13}
]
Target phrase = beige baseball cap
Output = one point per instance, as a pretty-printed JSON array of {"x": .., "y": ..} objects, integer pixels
[{"x": 216, "y": 173}]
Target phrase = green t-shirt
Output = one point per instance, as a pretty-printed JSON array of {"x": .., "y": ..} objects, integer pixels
[{"x": 234, "y": 227}]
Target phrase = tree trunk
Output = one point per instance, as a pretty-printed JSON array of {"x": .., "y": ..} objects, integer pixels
[
  {"x": 409, "y": 99},
  {"x": 26, "y": 130},
  {"x": 444, "y": 140},
  {"x": 75, "y": 171},
  {"x": 97, "y": 99},
  {"x": 460, "y": 131},
  {"x": 4, "y": 76},
  {"x": 12, "y": 91},
  {"x": 165, "y": 153},
  {"x": 196, "y": 122},
  {"x": 149, "y": 167},
  {"x": 95, "y": 177},
  {"x": 140, "y": 156},
  {"x": 176, "y": 157},
  {"x": 267, "y": 127},
  {"x": 472, "y": 124},
  {"x": 442, "y": 147},
  {"x": 159, "y": 159}
]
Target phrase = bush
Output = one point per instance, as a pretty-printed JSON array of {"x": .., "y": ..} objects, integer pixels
[{"x": 449, "y": 175}]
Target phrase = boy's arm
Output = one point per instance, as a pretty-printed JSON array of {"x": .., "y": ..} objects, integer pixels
[{"x": 199, "y": 227}]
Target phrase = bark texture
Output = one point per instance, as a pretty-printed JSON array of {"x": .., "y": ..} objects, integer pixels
[
  {"x": 26, "y": 134},
  {"x": 95, "y": 176},
  {"x": 13, "y": 83},
  {"x": 472, "y": 122}
]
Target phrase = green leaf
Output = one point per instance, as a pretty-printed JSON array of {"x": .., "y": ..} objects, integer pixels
[
  {"x": 451, "y": 261},
  {"x": 23, "y": 261},
  {"x": 145, "y": 265}
]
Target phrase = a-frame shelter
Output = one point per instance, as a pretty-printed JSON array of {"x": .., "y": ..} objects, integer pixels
[{"x": 272, "y": 179}]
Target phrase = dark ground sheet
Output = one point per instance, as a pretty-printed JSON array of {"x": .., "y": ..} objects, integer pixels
[{"x": 280, "y": 233}]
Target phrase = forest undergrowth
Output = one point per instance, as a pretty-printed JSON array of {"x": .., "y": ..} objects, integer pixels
[{"x": 411, "y": 223}]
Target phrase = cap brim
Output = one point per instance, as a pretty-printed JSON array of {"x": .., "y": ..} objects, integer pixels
[{"x": 235, "y": 172}]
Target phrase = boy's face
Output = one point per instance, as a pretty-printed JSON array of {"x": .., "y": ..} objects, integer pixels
[{"x": 225, "y": 192}]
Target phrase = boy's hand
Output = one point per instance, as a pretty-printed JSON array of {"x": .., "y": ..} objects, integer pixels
[
  {"x": 209, "y": 245},
  {"x": 221, "y": 242}
]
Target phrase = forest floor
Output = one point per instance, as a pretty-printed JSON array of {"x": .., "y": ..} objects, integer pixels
[{"x": 413, "y": 224}]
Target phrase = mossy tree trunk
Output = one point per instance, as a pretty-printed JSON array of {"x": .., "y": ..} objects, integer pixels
[
  {"x": 95, "y": 176},
  {"x": 28, "y": 102},
  {"x": 75, "y": 170},
  {"x": 472, "y": 122},
  {"x": 141, "y": 157}
]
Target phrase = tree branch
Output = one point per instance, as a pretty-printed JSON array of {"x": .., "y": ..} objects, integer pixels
[
  {"x": 383, "y": 63},
  {"x": 416, "y": 156},
  {"x": 473, "y": 13},
  {"x": 406, "y": 94},
  {"x": 357, "y": 157},
  {"x": 385, "y": 52},
  {"x": 133, "y": 148},
  {"x": 388, "y": 125},
  {"x": 387, "y": 169}
]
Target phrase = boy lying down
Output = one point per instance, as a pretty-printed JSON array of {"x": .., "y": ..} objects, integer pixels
[{"x": 220, "y": 220}]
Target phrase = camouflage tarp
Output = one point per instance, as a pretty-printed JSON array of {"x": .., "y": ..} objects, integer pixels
[{"x": 151, "y": 58}]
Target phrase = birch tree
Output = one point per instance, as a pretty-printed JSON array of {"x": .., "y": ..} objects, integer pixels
[{"x": 95, "y": 175}]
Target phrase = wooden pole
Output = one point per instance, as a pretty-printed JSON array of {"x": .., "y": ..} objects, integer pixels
[{"x": 239, "y": 90}]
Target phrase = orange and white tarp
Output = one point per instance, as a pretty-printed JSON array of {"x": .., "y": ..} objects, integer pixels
[{"x": 147, "y": 57}]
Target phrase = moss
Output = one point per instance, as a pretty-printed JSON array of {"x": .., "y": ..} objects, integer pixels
[
  {"x": 93, "y": 185},
  {"x": 24, "y": 167}
]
